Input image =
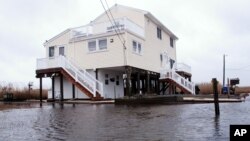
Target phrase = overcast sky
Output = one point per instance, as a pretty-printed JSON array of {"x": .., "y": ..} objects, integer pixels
[{"x": 207, "y": 29}]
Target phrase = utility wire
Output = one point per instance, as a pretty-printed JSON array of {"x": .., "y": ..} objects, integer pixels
[
  {"x": 114, "y": 20},
  {"x": 111, "y": 21},
  {"x": 118, "y": 34}
]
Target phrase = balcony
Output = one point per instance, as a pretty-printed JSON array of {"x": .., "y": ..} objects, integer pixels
[
  {"x": 183, "y": 67},
  {"x": 120, "y": 25}
]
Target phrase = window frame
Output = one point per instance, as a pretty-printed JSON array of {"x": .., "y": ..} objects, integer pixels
[
  {"x": 135, "y": 49},
  {"x": 98, "y": 48},
  {"x": 171, "y": 42},
  {"x": 51, "y": 54},
  {"x": 106, "y": 46},
  {"x": 134, "y": 44},
  {"x": 59, "y": 50},
  {"x": 89, "y": 42},
  {"x": 159, "y": 33}
]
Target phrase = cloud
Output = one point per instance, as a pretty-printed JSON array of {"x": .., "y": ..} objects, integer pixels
[{"x": 206, "y": 29}]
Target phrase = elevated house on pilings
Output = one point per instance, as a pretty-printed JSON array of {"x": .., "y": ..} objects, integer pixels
[{"x": 123, "y": 52}]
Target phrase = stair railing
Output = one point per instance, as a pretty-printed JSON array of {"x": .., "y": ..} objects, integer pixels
[
  {"x": 80, "y": 75},
  {"x": 171, "y": 74}
]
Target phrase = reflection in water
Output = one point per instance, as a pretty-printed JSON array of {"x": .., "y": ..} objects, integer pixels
[
  {"x": 217, "y": 126},
  {"x": 121, "y": 122}
]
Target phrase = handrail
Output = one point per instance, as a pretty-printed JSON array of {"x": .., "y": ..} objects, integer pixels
[
  {"x": 171, "y": 74},
  {"x": 99, "y": 85},
  {"x": 82, "y": 77}
]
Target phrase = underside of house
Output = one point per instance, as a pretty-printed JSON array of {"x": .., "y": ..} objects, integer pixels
[{"x": 71, "y": 82}]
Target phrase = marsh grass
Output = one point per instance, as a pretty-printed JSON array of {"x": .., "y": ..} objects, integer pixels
[
  {"x": 20, "y": 94},
  {"x": 207, "y": 88}
]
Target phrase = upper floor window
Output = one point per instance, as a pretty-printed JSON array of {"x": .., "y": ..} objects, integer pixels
[
  {"x": 134, "y": 46},
  {"x": 159, "y": 33},
  {"x": 92, "y": 45},
  {"x": 61, "y": 50},
  {"x": 102, "y": 44},
  {"x": 171, "y": 42},
  {"x": 137, "y": 47},
  {"x": 51, "y": 51},
  {"x": 172, "y": 63},
  {"x": 97, "y": 45}
]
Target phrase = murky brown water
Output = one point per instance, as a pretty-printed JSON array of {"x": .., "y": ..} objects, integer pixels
[{"x": 88, "y": 122}]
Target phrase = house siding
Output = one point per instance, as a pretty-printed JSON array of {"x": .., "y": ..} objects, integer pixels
[
  {"x": 111, "y": 57},
  {"x": 120, "y": 11},
  {"x": 60, "y": 40}
]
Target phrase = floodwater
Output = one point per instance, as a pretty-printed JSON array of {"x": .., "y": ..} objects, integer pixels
[{"x": 87, "y": 122}]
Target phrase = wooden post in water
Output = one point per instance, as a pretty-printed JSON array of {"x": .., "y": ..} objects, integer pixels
[
  {"x": 41, "y": 89},
  {"x": 216, "y": 100}
]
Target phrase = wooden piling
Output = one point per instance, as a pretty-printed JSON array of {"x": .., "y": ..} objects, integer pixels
[
  {"x": 41, "y": 89},
  {"x": 53, "y": 88},
  {"x": 61, "y": 87},
  {"x": 216, "y": 99}
]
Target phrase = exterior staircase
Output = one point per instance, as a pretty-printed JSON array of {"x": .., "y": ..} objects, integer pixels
[
  {"x": 79, "y": 77},
  {"x": 171, "y": 76}
]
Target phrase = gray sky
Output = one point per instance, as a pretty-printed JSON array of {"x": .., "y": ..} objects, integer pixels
[{"x": 207, "y": 29}]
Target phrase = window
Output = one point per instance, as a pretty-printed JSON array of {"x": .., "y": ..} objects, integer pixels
[
  {"x": 172, "y": 63},
  {"x": 61, "y": 51},
  {"x": 51, "y": 51},
  {"x": 137, "y": 47},
  {"x": 161, "y": 57},
  {"x": 171, "y": 42},
  {"x": 92, "y": 45},
  {"x": 134, "y": 46},
  {"x": 97, "y": 45},
  {"x": 158, "y": 33},
  {"x": 102, "y": 44}
]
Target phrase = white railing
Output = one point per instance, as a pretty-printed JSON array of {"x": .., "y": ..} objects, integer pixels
[
  {"x": 120, "y": 24},
  {"x": 183, "y": 67},
  {"x": 80, "y": 75},
  {"x": 171, "y": 74}
]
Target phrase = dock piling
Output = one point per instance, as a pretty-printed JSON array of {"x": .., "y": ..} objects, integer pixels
[{"x": 216, "y": 99}]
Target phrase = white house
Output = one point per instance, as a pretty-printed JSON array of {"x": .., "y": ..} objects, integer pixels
[{"x": 124, "y": 51}]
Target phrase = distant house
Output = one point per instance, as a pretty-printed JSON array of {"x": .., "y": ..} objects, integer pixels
[{"x": 123, "y": 52}]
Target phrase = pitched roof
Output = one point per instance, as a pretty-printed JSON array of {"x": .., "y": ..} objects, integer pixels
[{"x": 146, "y": 14}]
